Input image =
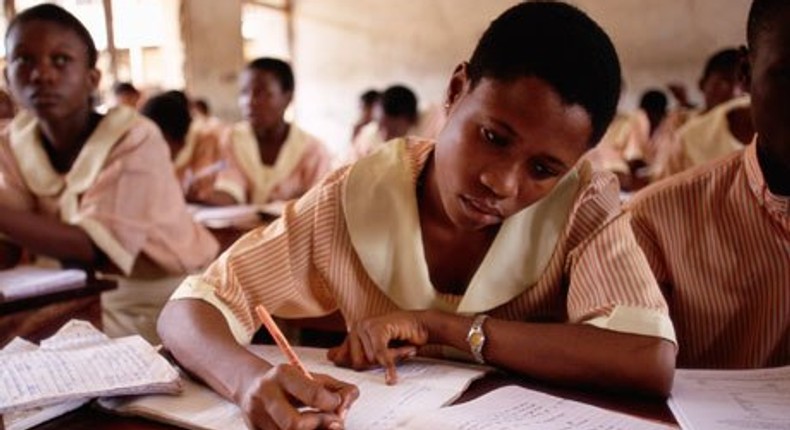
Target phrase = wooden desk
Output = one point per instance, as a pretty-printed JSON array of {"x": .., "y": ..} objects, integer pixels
[
  {"x": 39, "y": 317},
  {"x": 90, "y": 418}
]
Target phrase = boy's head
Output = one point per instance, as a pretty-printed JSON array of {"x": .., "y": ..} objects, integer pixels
[
  {"x": 267, "y": 86},
  {"x": 367, "y": 104},
  {"x": 560, "y": 45},
  {"x": 170, "y": 111},
  {"x": 719, "y": 82},
  {"x": 768, "y": 35},
  {"x": 126, "y": 94},
  {"x": 398, "y": 111},
  {"x": 51, "y": 63}
]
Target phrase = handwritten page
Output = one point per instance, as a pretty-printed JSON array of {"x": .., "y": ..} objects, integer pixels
[
  {"x": 514, "y": 408},
  {"x": 79, "y": 362},
  {"x": 423, "y": 385},
  {"x": 732, "y": 399},
  {"x": 28, "y": 281},
  {"x": 25, "y": 419}
]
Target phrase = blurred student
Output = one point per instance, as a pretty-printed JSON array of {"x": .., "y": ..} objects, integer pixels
[
  {"x": 269, "y": 159},
  {"x": 194, "y": 150},
  {"x": 718, "y": 236},
  {"x": 368, "y": 104},
  {"x": 85, "y": 189},
  {"x": 490, "y": 243},
  {"x": 723, "y": 126},
  {"x": 126, "y": 94}
]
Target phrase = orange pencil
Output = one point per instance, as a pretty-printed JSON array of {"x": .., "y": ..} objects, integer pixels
[{"x": 285, "y": 347}]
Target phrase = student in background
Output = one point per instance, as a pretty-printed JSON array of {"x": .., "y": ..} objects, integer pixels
[
  {"x": 269, "y": 159},
  {"x": 369, "y": 102},
  {"x": 718, "y": 236},
  {"x": 723, "y": 126},
  {"x": 202, "y": 119},
  {"x": 493, "y": 229},
  {"x": 194, "y": 151},
  {"x": 396, "y": 116},
  {"x": 85, "y": 189},
  {"x": 125, "y": 93}
]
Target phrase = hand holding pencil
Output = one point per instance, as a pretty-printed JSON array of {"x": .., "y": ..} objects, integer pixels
[{"x": 327, "y": 399}]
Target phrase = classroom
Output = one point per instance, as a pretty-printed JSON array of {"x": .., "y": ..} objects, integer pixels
[{"x": 412, "y": 214}]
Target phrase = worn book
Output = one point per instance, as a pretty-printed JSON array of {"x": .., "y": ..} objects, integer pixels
[{"x": 76, "y": 364}]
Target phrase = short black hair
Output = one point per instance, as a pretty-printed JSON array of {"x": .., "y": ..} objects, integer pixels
[
  {"x": 53, "y": 13},
  {"x": 653, "y": 100},
  {"x": 370, "y": 97},
  {"x": 725, "y": 62},
  {"x": 559, "y": 44},
  {"x": 124, "y": 88},
  {"x": 399, "y": 101},
  {"x": 279, "y": 68},
  {"x": 202, "y": 106},
  {"x": 170, "y": 111},
  {"x": 762, "y": 18}
]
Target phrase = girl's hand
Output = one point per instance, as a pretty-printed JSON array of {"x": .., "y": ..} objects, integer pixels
[
  {"x": 271, "y": 400},
  {"x": 368, "y": 343}
]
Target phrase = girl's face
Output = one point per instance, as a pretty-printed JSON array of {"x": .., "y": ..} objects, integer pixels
[
  {"x": 506, "y": 144},
  {"x": 262, "y": 99},
  {"x": 48, "y": 71}
]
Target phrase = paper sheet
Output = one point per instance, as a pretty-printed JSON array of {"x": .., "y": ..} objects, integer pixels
[
  {"x": 423, "y": 385},
  {"x": 732, "y": 399},
  {"x": 80, "y": 362},
  {"x": 28, "y": 281},
  {"x": 514, "y": 408}
]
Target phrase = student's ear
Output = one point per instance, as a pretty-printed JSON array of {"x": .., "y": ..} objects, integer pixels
[
  {"x": 459, "y": 84},
  {"x": 94, "y": 76},
  {"x": 744, "y": 68}
]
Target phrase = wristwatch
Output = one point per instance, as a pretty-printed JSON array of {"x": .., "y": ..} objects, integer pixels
[{"x": 476, "y": 338}]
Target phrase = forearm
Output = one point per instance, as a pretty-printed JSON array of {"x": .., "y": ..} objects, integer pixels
[
  {"x": 576, "y": 354},
  {"x": 198, "y": 336},
  {"x": 47, "y": 236}
]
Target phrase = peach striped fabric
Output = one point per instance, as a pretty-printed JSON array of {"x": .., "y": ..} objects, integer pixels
[
  {"x": 719, "y": 244},
  {"x": 304, "y": 265}
]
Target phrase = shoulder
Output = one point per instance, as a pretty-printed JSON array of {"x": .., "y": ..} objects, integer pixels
[
  {"x": 691, "y": 190},
  {"x": 598, "y": 198}
]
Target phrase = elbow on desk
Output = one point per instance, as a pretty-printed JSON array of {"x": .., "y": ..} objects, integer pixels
[{"x": 654, "y": 370}]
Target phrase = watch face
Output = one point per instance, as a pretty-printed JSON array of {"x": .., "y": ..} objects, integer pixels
[{"x": 476, "y": 339}]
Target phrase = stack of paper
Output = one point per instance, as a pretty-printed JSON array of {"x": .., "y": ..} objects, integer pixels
[
  {"x": 28, "y": 281},
  {"x": 237, "y": 215},
  {"x": 73, "y": 366}
]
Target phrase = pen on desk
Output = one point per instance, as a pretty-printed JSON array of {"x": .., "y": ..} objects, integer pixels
[{"x": 270, "y": 325}]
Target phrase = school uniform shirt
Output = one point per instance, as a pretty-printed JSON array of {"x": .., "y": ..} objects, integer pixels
[
  {"x": 200, "y": 160},
  {"x": 353, "y": 243},
  {"x": 719, "y": 244},
  {"x": 121, "y": 190},
  {"x": 703, "y": 138},
  {"x": 301, "y": 163}
]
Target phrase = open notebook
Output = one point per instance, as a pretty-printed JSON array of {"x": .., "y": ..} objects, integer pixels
[
  {"x": 71, "y": 367},
  {"x": 29, "y": 281},
  {"x": 423, "y": 385}
]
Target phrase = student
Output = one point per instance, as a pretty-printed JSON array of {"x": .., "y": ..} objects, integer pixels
[
  {"x": 722, "y": 127},
  {"x": 718, "y": 236},
  {"x": 396, "y": 116},
  {"x": 126, "y": 94},
  {"x": 369, "y": 102},
  {"x": 489, "y": 234},
  {"x": 268, "y": 158},
  {"x": 90, "y": 190},
  {"x": 194, "y": 150}
]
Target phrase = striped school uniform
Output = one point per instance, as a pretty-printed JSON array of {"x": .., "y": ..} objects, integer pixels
[{"x": 719, "y": 244}]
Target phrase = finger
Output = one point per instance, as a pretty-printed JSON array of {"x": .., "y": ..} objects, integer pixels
[
  {"x": 310, "y": 392},
  {"x": 349, "y": 393},
  {"x": 377, "y": 350},
  {"x": 338, "y": 354},
  {"x": 358, "y": 361}
]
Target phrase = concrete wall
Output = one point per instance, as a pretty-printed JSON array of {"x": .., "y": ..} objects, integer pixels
[{"x": 343, "y": 47}]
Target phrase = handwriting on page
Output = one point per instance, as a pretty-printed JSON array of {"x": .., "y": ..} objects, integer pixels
[
  {"x": 77, "y": 367},
  {"x": 514, "y": 408},
  {"x": 732, "y": 399}
]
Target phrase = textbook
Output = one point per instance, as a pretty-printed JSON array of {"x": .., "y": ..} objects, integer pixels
[
  {"x": 236, "y": 215},
  {"x": 29, "y": 281},
  {"x": 423, "y": 385},
  {"x": 732, "y": 399},
  {"x": 73, "y": 366}
]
